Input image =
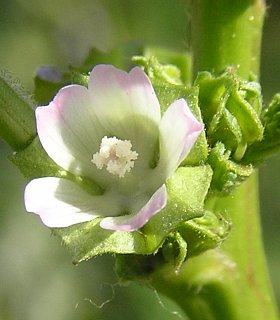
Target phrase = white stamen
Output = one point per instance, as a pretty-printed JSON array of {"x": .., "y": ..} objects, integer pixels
[{"x": 116, "y": 155}]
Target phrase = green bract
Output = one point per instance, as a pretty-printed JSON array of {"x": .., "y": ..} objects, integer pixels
[
  {"x": 230, "y": 107},
  {"x": 271, "y": 141},
  {"x": 227, "y": 173}
]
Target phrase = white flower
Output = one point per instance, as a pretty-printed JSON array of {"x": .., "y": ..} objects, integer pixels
[{"x": 111, "y": 132}]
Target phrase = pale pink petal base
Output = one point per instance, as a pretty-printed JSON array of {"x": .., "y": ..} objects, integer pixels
[
  {"x": 59, "y": 202},
  {"x": 135, "y": 221}
]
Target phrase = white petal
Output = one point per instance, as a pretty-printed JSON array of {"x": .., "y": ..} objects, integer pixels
[
  {"x": 179, "y": 130},
  {"x": 69, "y": 131},
  {"x": 127, "y": 106},
  {"x": 61, "y": 203},
  {"x": 121, "y": 94},
  {"x": 136, "y": 221}
]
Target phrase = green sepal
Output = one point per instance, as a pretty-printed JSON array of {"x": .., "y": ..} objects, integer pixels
[
  {"x": 17, "y": 123},
  {"x": 165, "y": 65},
  {"x": 271, "y": 141},
  {"x": 34, "y": 162},
  {"x": 181, "y": 60},
  {"x": 140, "y": 267},
  {"x": 187, "y": 190},
  {"x": 174, "y": 250},
  {"x": 204, "y": 233},
  {"x": 156, "y": 71},
  {"x": 192, "y": 238},
  {"x": 230, "y": 107},
  {"x": 227, "y": 174}
]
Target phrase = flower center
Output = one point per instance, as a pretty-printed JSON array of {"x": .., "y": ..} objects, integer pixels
[{"x": 116, "y": 155}]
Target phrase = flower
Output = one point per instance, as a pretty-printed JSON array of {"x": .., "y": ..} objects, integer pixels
[{"x": 112, "y": 133}]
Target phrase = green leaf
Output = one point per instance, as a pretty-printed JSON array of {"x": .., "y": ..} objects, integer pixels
[
  {"x": 187, "y": 190},
  {"x": 17, "y": 124}
]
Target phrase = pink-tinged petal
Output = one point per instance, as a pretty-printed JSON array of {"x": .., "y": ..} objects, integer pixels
[
  {"x": 60, "y": 202},
  {"x": 69, "y": 131},
  {"x": 179, "y": 130},
  {"x": 136, "y": 221},
  {"x": 123, "y": 94},
  {"x": 126, "y": 105}
]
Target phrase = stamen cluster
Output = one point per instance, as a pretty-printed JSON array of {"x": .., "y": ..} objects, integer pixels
[{"x": 116, "y": 155}]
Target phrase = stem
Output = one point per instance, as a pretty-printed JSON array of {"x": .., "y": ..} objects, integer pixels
[
  {"x": 253, "y": 290},
  {"x": 227, "y": 33},
  {"x": 230, "y": 282}
]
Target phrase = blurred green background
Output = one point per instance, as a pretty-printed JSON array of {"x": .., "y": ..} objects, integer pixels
[{"x": 37, "y": 279}]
